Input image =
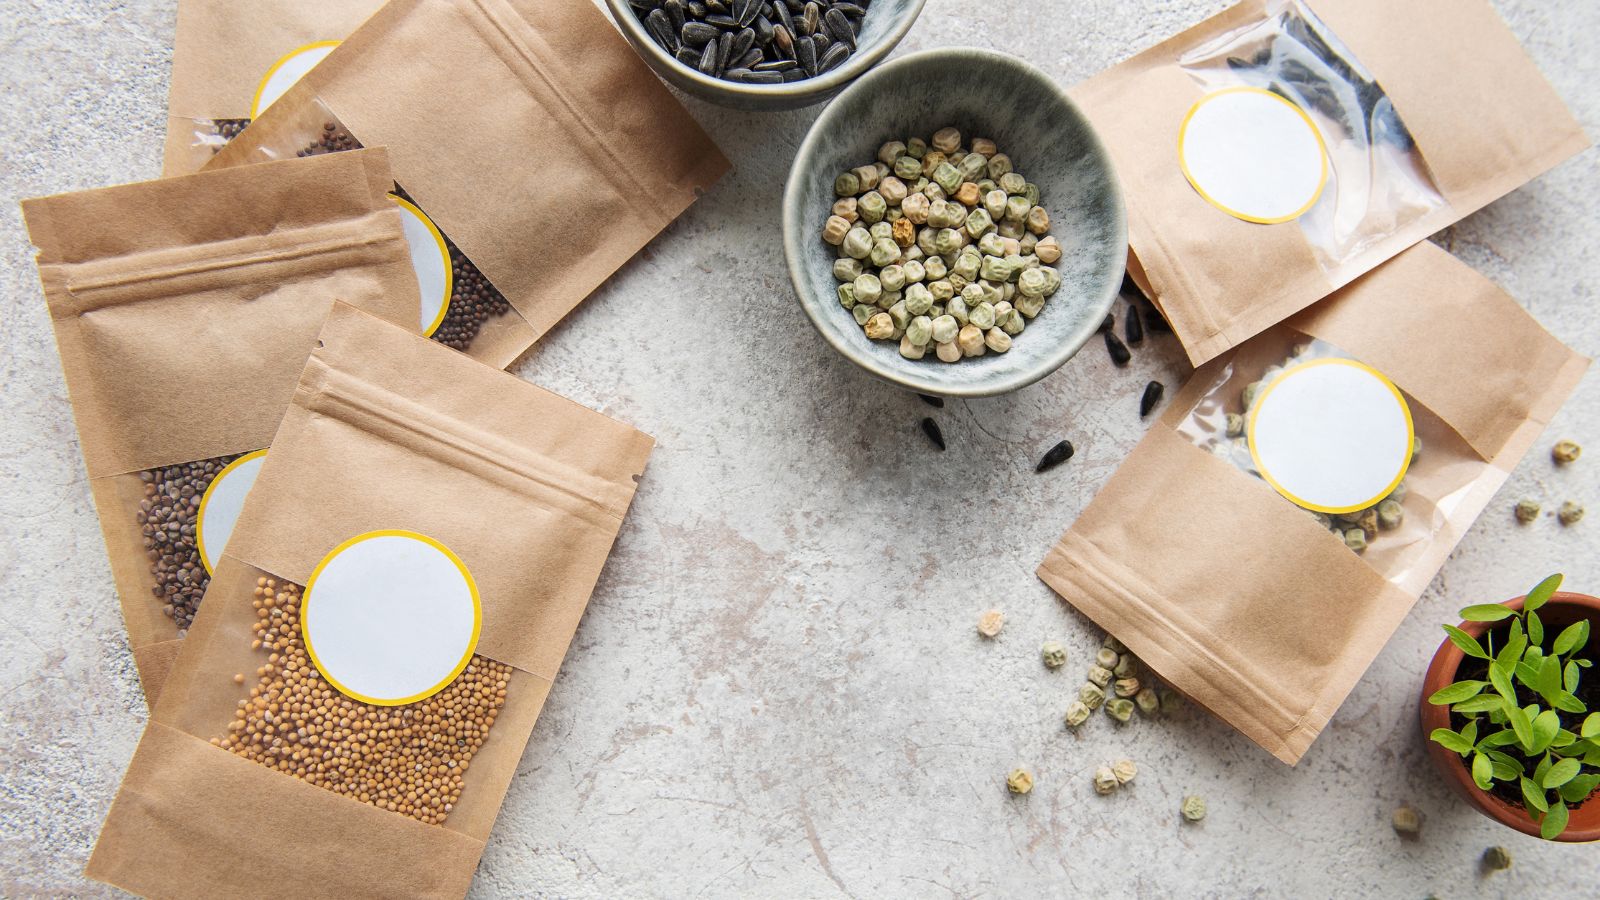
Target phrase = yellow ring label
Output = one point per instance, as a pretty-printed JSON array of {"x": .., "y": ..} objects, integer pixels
[
  {"x": 205, "y": 506},
  {"x": 378, "y": 622},
  {"x": 428, "y": 249},
  {"x": 294, "y": 57},
  {"x": 1195, "y": 179},
  {"x": 1277, "y": 485}
]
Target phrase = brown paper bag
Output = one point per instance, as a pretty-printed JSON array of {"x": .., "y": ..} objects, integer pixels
[
  {"x": 1251, "y": 605},
  {"x": 1427, "y": 116},
  {"x": 531, "y": 134},
  {"x": 184, "y": 309},
  {"x": 387, "y": 431},
  {"x": 225, "y": 52}
]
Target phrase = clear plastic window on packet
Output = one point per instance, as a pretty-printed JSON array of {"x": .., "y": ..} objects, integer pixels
[{"x": 1377, "y": 181}]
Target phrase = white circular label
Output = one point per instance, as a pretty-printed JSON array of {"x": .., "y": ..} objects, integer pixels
[
  {"x": 286, "y": 71},
  {"x": 221, "y": 504},
  {"x": 391, "y": 617},
  {"x": 430, "y": 258},
  {"x": 1332, "y": 435},
  {"x": 1253, "y": 155}
]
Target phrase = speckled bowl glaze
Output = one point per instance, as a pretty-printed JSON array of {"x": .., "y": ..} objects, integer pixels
[
  {"x": 885, "y": 23},
  {"x": 1049, "y": 140}
]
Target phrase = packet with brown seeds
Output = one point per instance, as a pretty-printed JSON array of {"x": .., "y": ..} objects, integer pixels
[
  {"x": 1422, "y": 118},
  {"x": 231, "y": 59},
  {"x": 529, "y": 136},
  {"x": 184, "y": 309},
  {"x": 418, "y": 508},
  {"x": 1256, "y": 608}
]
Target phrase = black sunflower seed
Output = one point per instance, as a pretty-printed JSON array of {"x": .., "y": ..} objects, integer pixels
[
  {"x": 1132, "y": 328},
  {"x": 763, "y": 27},
  {"x": 822, "y": 41},
  {"x": 839, "y": 27},
  {"x": 742, "y": 42},
  {"x": 677, "y": 13},
  {"x": 1055, "y": 456},
  {"x": 747, "y": 61},
  {"x": 937, "y": 402},
  {"x": 660, "y": 28},
  {"x": 795, "y": 74},
  {"x": 806, "y": 52},
  {"x": 1117, "y": 349},
  {"x": 688, "y": 56},
  {"x": 708, "y": 58},
  {"x": 774, "y": 65},
  {"x": 746, "y": 76},
  {"x": 1129, "y": 288},
  {"x": 697, "y": 34},
  {"x": 836, "y": 54},
  {"x": 1109, "y": 323},
  {"x": 783, "y": 39},
  {"x": 745, "y": 11},
  {"x": 1155, "y": 322},
  {"x": 931, "y": 429},
  {"x": 724, "y": 51},
  {"x": 1151, "y": 398},
  {"x": 786, "y": 19},
  {"x": 850, "y": 9},
  {"x": 725, "y": 23}
]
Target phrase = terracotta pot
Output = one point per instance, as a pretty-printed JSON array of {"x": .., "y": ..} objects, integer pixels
[{"x": 1562, "y": 610}]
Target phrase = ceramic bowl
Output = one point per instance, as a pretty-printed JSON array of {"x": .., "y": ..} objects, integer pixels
[
  {"x": 1050, "y": 142},
  {"x": 885, "y": 23}
]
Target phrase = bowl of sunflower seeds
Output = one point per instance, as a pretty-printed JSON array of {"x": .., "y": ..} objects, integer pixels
[
  {"x": 953, "y": 224},
  {"x": 763, "y": 54}
]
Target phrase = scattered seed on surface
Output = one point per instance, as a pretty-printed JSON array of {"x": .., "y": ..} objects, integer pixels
[
  {"x": 1125, "y": 770},
  {"x": 1570, "y": 513},
  {"x": 1117, "y": 349},
  {"x": 1407, "y": 822},
  {"x": 1566, "y": 452},
  {"x": 1019, "y": 781},
  {"x": 1132, "y": 328},
  {"x": 1129, "y": 288},
  {"x": 1055, "y": 456},
  {"x": 1496, "y": 859},
  {"x": 1527, "y": 511},
  {"x": 1109, "y": 323},
  {"x": 1105, "y": 780},
  {"x": 1154, "y": 321},
  {"x": 1151, "y": 398},
  {"x": 931, "y": 429},
  {"x": 990, "y": 623},
  {"x": 1053, "y": 654},
  {"x": 1193, "y": 808},
  {"x": 1120, "y": 709},
  {"x": 935, "y": 402},
  {"x": 1077, "y": 714}
]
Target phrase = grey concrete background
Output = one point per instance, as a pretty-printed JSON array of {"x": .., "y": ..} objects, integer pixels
[{"x": 778, "y": 689}]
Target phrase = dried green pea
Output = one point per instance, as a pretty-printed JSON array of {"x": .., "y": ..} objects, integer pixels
[
  {"x": 868, "y": 288},
  {"x": 914, "y": 271},
  {"x": 881, "y": 231},
  {"x": 1014, "y": 266},
  {"x": 1091, "y": 695},
  {"x": 916, "y": 148},
  {"x": 991, "y": 244},
  {"x": 888, "y": 299},
  {"x": 935, "y": 268},
  {"x": 867, "y": 177},
  {"x": 1029, "y": 306},
  {"x": 1234, "y": 426},
  {"x": 847, "y": 296},
  {"x": 858, "y": 243},
  {"x": 972, "y": 167},
  {"x": 1193, "y": 808},
  {"x": 1120, "y": 709},
  {"x": 1115, "y": 646},
  {"x": 1390, "y": 515},
  {"x": 995, "y": 203},
  {"x": 1012, "y": 183},
  {"x": 999, "y": 165},
  {"x": 1495, "y": 859},
  {"x": 909, "y": 349},
  {"x": 899, "y": 316},
  {"x": 1107, "y": 658},
  {"x": 967, "y": 265},
  {"x": 1171, "y": 701},
  {"x": 846, "y": 269},
  {"x": 1125, "y": 771},
  {"x": 893, "y": 277},
  {"x": 949, "y": 240},
  {"x": 835, "y": 229},
  {"x": 1126, "y": 687},
  {"x": 919, "y": 330},
  {"x": 1011, "y": 229},
  {"x": 935, "y": 311},
  {"x": 1019, "y": 781},
  {"x": 994, "y": 268},
  {"x": 1527, "y": 511},
  {"x": 948, "y": 177},
  {"x": 981, "y": 315},
  {"x": 918, "y": 299},
  {"x": 1248, "y": 396},
  {"x": 945, "y": 328},
  {"x": 1031, "y": 191},
  {"x": 1148, "y": 702},
  {"x": 915, "y": 207},
  {"x": 863, "y": 312},
  {"x": 942, "y": 290},
  {"x": 908, "y": 167},
  {"x": 885, "y": 251},
  {"x": 979, "y": 223},
  {"x": 997, "y": 340},
  {"x": 1028, "y": 244},
  {"x": 1017, "y": 209},
  {"x": 1038, "y": 220},
  {"x": 1048, "y": 249},
  {"x": 1011, "y": 323},
  {"x": 956, "y": 308},
  {"x": 932, "y": 191},
  {"x": 1566, "y": 452},
  {"x": 872, "y": 206},
  {"x": 893, "y": 191},
  {"x": 985, "y": 185},
  {"x": 1100, "y": 675},
  {"x": 1077, "y": 714},
  {"x": 925, "y": 240},
  {"x": 1570, "y": 513},
  {"x": 1127, "y": 666},
  {"x": 1105, "y": 780},
  {"x": 891, "y": 152},
  {"x": 847, "y": 185},
  {"x": 1053, "y": 654},
  {"x": 1031, "y": 283},
  {"x": 1356, "y": 540}
]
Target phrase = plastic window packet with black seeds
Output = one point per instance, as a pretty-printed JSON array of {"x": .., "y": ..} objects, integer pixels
[
  {"x": 184, "y": 309},
  {"x": 231, "y": 60},
  {"x": 1198, "y": 553},
  {"x": 1278, "y": 150},
  {"x": 510, "y": 123},
  {"x": 381, "y": 632}
]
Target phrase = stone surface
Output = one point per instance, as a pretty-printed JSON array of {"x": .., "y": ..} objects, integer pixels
[{"x": 779, "y": 689}]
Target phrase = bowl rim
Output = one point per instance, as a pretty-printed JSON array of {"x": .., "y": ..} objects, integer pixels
[
  {"x": 1045, "y": 364},
  {"x": 821, "y": 85}
]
